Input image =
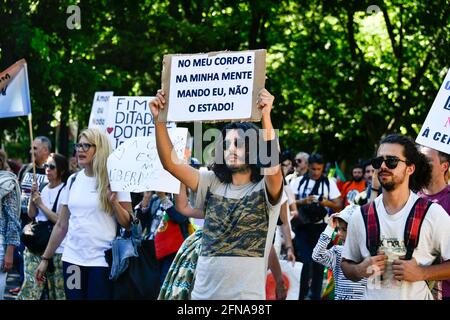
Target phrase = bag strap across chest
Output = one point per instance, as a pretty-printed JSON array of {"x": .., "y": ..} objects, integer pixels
[{"x": 412, "y": 227}]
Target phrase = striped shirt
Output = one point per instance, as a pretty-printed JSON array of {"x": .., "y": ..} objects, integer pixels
[{"x": 345, "y": 289}]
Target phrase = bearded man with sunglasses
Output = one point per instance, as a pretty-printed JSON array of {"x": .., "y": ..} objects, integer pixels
[
  {"x": 239, "y": 202},
  {"x": 402, "y": 170}
]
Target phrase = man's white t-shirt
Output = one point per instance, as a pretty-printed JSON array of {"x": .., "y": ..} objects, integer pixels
[
  {"x": 48, "y": 196},
  {"x": 330, "y": 193},
  {"x": 91, "y": 229},
  {"x": 434, "y": 239},
  {"x": 237, "y": 237}
]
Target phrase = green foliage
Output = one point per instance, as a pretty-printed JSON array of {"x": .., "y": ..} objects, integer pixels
[{"x": 342, "y": 77}]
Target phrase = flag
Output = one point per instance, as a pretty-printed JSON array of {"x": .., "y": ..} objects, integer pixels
[
  {"x": 339, "y": 173},
  {"x": 14, "y": 91}
]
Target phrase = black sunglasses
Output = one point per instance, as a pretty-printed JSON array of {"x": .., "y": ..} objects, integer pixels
[
  {"x": 390, "y": 161},
  {"x": 50, "y": 166},
  {"x": 298, "y": 160},
  {"x": 84, "y": 146},
  {"x": 238, "y": 143}
]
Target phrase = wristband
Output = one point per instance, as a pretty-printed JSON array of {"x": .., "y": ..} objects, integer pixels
[
  {"x": 374, "y": 189},
  {"x": 45, "y": 258}
]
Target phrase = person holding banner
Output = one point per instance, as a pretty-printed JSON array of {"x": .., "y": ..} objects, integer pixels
[
  {"x": 29, "y": 173},
  {"x": 239, "y": 203},
  {"x": 44, "y": 207},
  {"x": 89, "y": 217}
]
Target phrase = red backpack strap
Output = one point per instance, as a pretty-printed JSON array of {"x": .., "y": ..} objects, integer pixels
[
  {"x": 372, "y": 224},
  {"x": 413, "y": 225}
]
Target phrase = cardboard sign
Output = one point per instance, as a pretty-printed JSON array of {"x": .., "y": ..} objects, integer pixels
[
  {"x": 435, "y": 132},
  {"x": 215, "y": 86},
  {"x": 129, "y": 117},
  {"x": 99, "y": 112},
  {"x": 135, "y": 166}
]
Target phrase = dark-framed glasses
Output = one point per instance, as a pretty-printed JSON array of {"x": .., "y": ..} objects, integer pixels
[
  {"x": 299, "y": 161},
  {"x": 83, "y": 146},
  {"x": 390, "y": 161}
]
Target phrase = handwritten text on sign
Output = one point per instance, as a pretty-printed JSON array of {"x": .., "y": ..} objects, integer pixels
[
  {"x": 129, "y": 117},
  {"x": 215, "y": 87},
  {"x": 435, "y": 132},
  {"x": 99, "y": 112},
  {"x": 135, "y": 166}
]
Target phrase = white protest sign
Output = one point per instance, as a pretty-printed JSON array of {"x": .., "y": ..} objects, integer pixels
[
  {"x": 135, "y": 166},
  {"x": 291, "y": 277},
  {"x": 435, "y": 132},
  {"x": 99, "y": 112},
  {"x": 213, "y": 86},
  {"x": 129, "y": 117}
]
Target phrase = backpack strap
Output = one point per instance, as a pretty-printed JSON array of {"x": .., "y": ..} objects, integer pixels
[
  {"x": 325, "y": 181},
  {"x": 72, "y": 180},
  {"x": 414, "y": 224},
  {"x": 55, "y": 204},
  {"x": 302, "y": 181},
  {"x": 372, "y": 225}
]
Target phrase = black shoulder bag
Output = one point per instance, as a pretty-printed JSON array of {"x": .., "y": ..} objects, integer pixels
[{"x": 36, "y": 234}]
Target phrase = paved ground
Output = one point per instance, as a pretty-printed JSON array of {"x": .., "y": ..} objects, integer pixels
[{"x": 11, "y": 282}]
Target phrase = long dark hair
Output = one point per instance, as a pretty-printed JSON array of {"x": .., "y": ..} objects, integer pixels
[
  {"x": 421, "y": 176},
  {"x": 220, "y": 168},
  {"x": 62, "y": 166}
]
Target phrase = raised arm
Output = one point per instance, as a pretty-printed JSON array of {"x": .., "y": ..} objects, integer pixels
[
  {"x": 272, "y": 176},
  {"x": 183, "y": 206},
  {"x": 169, "y": 159},
  {"x": 322, "y": 255}
]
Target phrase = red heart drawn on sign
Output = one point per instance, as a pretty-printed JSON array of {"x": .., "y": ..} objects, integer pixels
[{"x": 109, "y": 129}]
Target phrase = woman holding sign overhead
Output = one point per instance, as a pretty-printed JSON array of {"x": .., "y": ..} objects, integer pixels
[{"x": 89, "y": 216}]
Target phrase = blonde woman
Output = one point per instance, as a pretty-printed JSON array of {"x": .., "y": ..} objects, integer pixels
[{"x": 89, "y": 216}]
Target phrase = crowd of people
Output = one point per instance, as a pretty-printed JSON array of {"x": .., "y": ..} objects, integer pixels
[{"x": 383, "y": 234}]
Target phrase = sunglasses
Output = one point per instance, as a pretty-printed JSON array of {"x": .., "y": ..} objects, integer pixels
[
  {"x": 83, "y": 146},
  {"x": 50, "y": 166},
  {"x": 238, "y": 143},
  {"x": 298, "y": 161},
  {"x": 390, "y": 161}
]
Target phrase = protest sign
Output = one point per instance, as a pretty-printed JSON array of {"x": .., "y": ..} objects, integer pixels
[
  {"x": 435, "y": 132},
  {"x": 135, "y": 166},
  {"x": 99, "y": 112},
  {"x": 213, "y": 86},
  {"x": 129, "y": 117},
  {"x": 291, "y": 277},
  {"x": 14, "y": 91}
]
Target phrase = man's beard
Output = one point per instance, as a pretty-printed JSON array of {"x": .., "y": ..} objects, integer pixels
[
  {"x": 238, "y": 168},
  {"x": 391, "y": 185},
  {"x": 357, "y": 179}
]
